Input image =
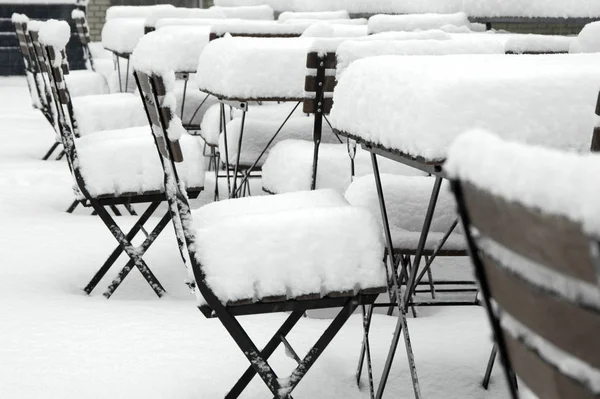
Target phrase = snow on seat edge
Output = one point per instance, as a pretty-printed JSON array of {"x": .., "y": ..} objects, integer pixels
[{"x": 303, "y": 243}]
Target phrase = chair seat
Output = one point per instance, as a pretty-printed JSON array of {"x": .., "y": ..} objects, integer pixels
[
  {"x": 407, "y": 199},
  {"x": 85, "y": 83},
  {"x": 124, "y": 163},
  {"x": 108, "y": 112},
  {"x": 288, "y": 167},
  {"x": 308, "y": 244},
  {"x": 258, "y": 131}
]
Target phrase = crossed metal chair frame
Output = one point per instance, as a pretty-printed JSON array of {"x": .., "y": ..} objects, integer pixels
[
  {"x": 152, "y": 89},
  {"x": 62, "y": 100}
]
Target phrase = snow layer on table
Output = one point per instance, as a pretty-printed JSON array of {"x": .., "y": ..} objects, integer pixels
[
  {"x": 122, "y": 34},
  {"x": 342, "y": 14},
  {"x": 288, "y": 167},
  {"x": 411, "y": 22},
  {"x": 256, "y": 27},
  {"x": 520, "y": 43},
  {"x": 250, "y": 68},
  {"x": 308, "y": 22},
  {"x": 313, "y": 249},
  {"x": 351, "y": 51},
  {"x": 55, "y": 33},
  {"x": 126, "y": 160},
  {"x": 181, "y": 12},
  {"x": 568, "y": 364},
  {"x": 172, "y": 48},
  {"x": 277, "y": 5},
  {"x": 330, "y": 30},
  {"x": 19, "y": 18},
  {"x": 108, "y": 112},
  {"x": 533, "y": 184},
  {"x": 134, "y": 11},
  {"x": 163, "y": 22},
  {"x": 85, "y": 83},
  {"x": 258, "y": 131},
  {"x": 260, "y": 12},
  {"x": 534, "y": 98},
  {"x": 588, "y": 40},
  {"x": 406, "y": 200},
  {"x": 211, "y": 122}
]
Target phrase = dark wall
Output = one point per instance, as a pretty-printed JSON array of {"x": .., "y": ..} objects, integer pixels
[{"x": 11, "y": 62}]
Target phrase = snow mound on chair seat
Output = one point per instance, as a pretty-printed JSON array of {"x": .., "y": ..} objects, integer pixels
[
  {"x": 126, "y": 161},
  {"x": 406, "y": 200},
  {"x": 134, "y": 11},
  {"x": 121, "y": 35},
  {"x": 55, "y": 33},
  {"x": 85, "y": 83},
  {"x": 258, "y": 132},
  {"x": 17, "y": 18},
  {"x": 172, "y": 48},
  {"x": 288, "y": 167},
  {"x": 258, "y": 12},
  {"x": 291, "y": 252},
  {"x": 588, "y": 40},
  {"x": 287, "y": 15},
  {"x": 351, "y": 51},
  {"x": 108, "y": 112},
  {"x": 531, "y": 98},
  {"x": 530, "y": 175},
  {"x": 411, "y": 22}
]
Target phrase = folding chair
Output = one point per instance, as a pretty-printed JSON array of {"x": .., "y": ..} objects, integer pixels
[
  {"x": 268, "y": 293},
  {"x": 36, "y": 83},
  {"x": 83, "y": 33},
  {"x": 538, "y": 271},
  {"x": 118, "y": 168}
]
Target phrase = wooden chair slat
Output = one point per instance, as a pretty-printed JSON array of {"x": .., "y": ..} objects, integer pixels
[
  {"x": 310, "y": 106},
  {"x": 598, "y": 105},
  {"x": 341, "y": 294},
  {"x": 542, "y": 378},
  {"x": 311, "y": 84},
  {"x": 548, "y": 315},
  {"x": 595, "y": 147},
  {"x": 546, "y": 239},
  {"x": 313, "y": 60}
]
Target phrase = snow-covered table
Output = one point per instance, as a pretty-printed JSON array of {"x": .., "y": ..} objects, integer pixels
[{"x": 410, "y": 109}]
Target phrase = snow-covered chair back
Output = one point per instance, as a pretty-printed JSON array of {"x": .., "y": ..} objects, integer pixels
[
  {"x": 83, "y": 33},
  {"x": 319, "y": 82},
  {"x": 20, "y": 22},
  {"x": 596, "y": 136},
  {"x": 532, "y": 226}
]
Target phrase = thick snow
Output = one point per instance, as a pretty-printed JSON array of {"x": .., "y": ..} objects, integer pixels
[
  {"x": 342, "y": 14},
  {"x": 122, "y": 34},
  {"x": 520, "y": 43},
  {"x": 83, "y": 83},
  {"x": 407, "y": 199},
  {"x": 126, "y": 160},
  {"x": 259, "y": 130},
  {"x": 310, "y": 21},
  {"x": 277, "y": 5},
  {"x": 163, "y": 22},
  {"x": 411, "y": 22},
  {"x": 305, "y": 250},
  {"x": 325, "y": 29},
  {"x": 534, "y": 98},
  {"x": 588, "y": 40},
  {"x": 241, "y": 26},
  {"x": 519, "y": 178},
  {"x": 193, "y": 98},
  {"x": 182, "y": 13},
  {"x": 55, "y": 33},
  {"x": 351, "y": 51},
  {"x": 288, "y": 167},
  {"x": 108, "y": 112},
  {"x": 172, "y": 48},
  {"x": 59, "y": 343},
  {"x": 77, "y": 14},
  {"x": 19, "y": 18},
  {"x": 260, "y": 12},
  {"x": 134, "y": 11}
]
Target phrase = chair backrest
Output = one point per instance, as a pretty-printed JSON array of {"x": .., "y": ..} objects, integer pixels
[
  {"x": 539, "y": 275},
  {"x": 25, "y": 46},
  {"x": 595, "y": 147},
  {"x": 320, "y": 82},
  {"x": 153, "y": 91},
  {"x": 83, "y": 33}
]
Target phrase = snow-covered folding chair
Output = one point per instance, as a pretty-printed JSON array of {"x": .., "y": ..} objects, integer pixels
[
  {"x": 294, "y": 252},
  {"x": 117, "y": 167},
  {"x": 532, "y": 231},
  {"x": 83, "y": 33}
]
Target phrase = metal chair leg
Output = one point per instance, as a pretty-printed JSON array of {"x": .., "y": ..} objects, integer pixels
[{"x": 490, "y": 366}]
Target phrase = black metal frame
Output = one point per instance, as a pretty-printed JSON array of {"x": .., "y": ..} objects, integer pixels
[{"x": 152, "y": 90}]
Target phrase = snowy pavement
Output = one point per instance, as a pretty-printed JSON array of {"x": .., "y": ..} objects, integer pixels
[{"x": 56, "y": 342}]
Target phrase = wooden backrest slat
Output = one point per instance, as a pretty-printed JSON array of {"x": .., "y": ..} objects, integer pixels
[
  {"x": 542, "y": 378},
  {"x": 310, "y": 106},
  {"x": 314, "y": 60},
  {"x": 546, "y": 313},
  {"x": 311, "y": 84},
  {"x": 549, "y": 240},
  {"x": 39, "y": 51},
  {"x": 319, "y": 80}
]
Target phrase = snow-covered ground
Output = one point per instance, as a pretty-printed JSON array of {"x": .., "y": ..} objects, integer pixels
[{"x": 56, "y": 342}]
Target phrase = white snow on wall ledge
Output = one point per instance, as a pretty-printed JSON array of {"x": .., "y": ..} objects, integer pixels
[
  {"x": 474, "y": 8},
  {"x": 419, "y": 105}
]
